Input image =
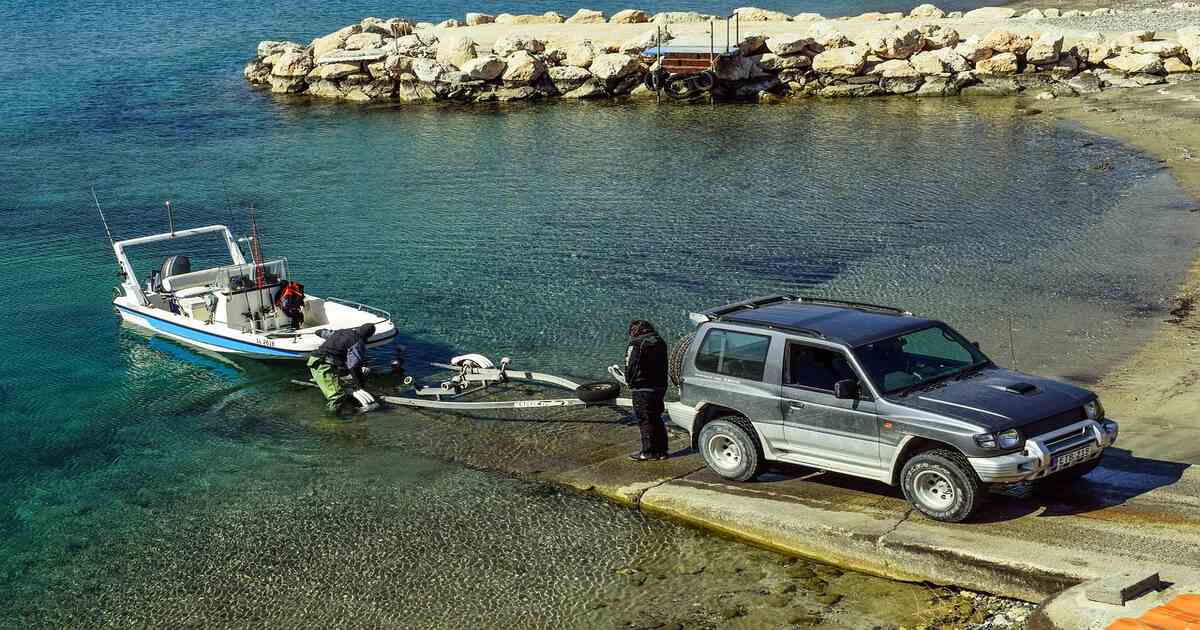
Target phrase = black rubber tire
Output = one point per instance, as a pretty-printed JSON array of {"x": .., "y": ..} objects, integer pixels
[
  {"x": 706, "y": 80},
  {"x": 749, "y": 461},
  {"x": 1070, "y": 475},
  {"x": 951, "y": 466},
  {"x": 675, "y": 365},
  {"x": 599, "y": 391}
]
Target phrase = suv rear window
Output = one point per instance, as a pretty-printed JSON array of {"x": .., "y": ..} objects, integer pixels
[{"x": 731, "y": 353}]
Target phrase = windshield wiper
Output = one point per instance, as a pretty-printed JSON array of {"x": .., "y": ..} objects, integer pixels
[{"x": 971, "y": 370}]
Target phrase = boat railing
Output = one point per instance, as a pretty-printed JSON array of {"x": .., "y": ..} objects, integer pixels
[{"x": 378, "y": 312}]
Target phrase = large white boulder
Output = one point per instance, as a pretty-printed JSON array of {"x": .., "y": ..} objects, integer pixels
[
  {"x": 1136, "y": 63},
  {"x": 291, "y": 64},
  {"x": 568, "y": 78},
  {"x": 792, "y": 44},
  {"x": 611, "y": 66},
  {"x": 846, "y": 61},
  {"x": 828, "y": 36},
  {"x": 629, "y": 16},
  {"x": 485, "y": 68},
  {"x": 334, "y": 41},
  {"x": 776, "y": 63},
  {"x": 427, "y": 70},
  {"x": 267, "y": 48},
  {"x": 679, "y": 17},
  {"x": 334, "y": 71},
  {"x": 586, "y": 16},
  {"x": 938, "y": 36},
  {"x": 986, "y": 14},
  {"x": 1163, "y": 48},
  {"x": 999, "y": 64},
  {"x": 897, "y": 44},
  {"x": 1093, "y": 48},
  {"x": 1033, "y": 14},
  {"x": 926, "y": 11},
  {"x": 972, "y": 50},
  {"x": 510, "y": 44},
  {"x": 581, "y": 54},
  {"x": 364, "y": 41},
  {"x": 755, "y": 14},
  {"x": 1046, "y": 49},
  {"x": 807, "y": 17},
  {"x": 523, "y": 69},
  {"x": 893, "y": 68},
  {"x": 940, "y": 61},
  {"x": 475, "y": 19},
  {"x": 549, "y": 17},
  {"x": 1005, "y": 41},
  {"x": 456, "y": 51}
]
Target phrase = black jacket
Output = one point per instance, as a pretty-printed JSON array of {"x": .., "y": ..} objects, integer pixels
[
  {"x": 347, "y": 349},
  {"x": 646, "y": 362}
]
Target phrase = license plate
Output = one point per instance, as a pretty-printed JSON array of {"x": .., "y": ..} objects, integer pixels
[{"x": 1070, "y": 458}]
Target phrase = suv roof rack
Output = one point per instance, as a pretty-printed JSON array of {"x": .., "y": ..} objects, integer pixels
[
  {"x": 767, "y": 300},
  {"x": 859, "y": 305}
]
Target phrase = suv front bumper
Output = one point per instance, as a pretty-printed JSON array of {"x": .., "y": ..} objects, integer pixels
[{"x": 1049, "y": 453}]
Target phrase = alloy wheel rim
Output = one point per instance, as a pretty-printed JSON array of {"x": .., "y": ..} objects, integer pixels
[
  {"x": 934, "y": 490},
  {"x": 724, "y": 452}
]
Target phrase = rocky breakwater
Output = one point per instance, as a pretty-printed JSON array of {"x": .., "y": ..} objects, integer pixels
[{"x": 396, "y": 60}]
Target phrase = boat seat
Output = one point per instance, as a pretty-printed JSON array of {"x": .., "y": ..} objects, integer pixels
[{"x": 191, "y": 292}]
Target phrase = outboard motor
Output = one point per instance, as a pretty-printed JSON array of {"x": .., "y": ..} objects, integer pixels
[{"x": 174, "y": 266}]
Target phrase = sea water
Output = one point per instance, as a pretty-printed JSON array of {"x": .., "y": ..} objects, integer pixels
[{"x": 142, "y": 483}]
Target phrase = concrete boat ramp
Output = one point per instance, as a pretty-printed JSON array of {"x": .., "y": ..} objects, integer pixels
[{"x": 1132, "y": 514}]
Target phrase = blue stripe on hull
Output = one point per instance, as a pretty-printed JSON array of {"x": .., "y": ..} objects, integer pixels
[{"x": 232, "y": 345}]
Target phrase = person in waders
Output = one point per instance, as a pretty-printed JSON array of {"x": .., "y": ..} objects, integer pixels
[
  {"x": 646, "y": 375},
  {"x": 342, "y": 350}
]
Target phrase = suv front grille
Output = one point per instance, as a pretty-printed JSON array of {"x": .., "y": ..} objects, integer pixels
[{"x": 1057, "y": 421}]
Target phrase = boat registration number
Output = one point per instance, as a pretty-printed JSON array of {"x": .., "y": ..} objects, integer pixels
[{"x": 1070, "y": 458}]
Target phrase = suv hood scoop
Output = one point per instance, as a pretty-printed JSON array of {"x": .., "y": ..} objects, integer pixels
[
  {"x": 1020, "y": 389},
  {"x": 999, "y": 399}
]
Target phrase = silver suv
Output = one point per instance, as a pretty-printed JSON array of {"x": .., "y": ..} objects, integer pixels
[{"x": 875, "y": 392}]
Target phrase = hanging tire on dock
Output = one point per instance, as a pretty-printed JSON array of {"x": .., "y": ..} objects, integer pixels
[
  {"x": 675, "y": 364},
  {"x": 597, "y": 392},
  {"x": 685, "y": 86}
]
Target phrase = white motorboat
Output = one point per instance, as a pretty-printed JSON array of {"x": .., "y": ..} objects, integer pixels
[{"x": 232, "y": 309}]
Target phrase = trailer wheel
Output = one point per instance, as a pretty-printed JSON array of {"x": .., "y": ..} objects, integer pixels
[
  {"x": 599, "y": 391},
  {"x": 675, "y": 366}
]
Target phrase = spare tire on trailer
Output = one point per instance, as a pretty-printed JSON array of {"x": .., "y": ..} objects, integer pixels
[
  {"x": 675, "y": 365},
  {"x": 598, "y": 391}
]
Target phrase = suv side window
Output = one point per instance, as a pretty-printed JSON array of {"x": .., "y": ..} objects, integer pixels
[
  {"x": 733, "y": 353},
  {"x": 815, "y": 368}
]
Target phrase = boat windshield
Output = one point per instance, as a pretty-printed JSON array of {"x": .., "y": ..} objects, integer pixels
[
  {"x": 923, "y": 357},
  {"x": 232, "y": 278}
]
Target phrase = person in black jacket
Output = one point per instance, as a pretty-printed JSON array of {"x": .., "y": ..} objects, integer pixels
[
  {"x": 646, "y": 375},
  {"x": 342, "y": 350}
]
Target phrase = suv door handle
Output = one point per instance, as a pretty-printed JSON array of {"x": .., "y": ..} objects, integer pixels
[{"x": 796, "y": 405}]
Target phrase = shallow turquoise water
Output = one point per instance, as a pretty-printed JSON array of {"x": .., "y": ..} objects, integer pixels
[{"x": 127, "y": 463}]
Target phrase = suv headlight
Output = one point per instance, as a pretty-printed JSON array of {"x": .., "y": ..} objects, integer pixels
[
  {"x": 1094, "y": 410},
  {"x": 1004, "y": 440}
]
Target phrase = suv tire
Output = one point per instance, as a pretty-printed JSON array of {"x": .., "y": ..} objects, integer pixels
[
  {"x": 731, "y": 448},
  {"x": 941, "y": 484},
  {"x": 675, "y": 366}
]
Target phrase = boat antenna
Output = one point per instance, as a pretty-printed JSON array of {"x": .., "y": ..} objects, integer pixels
[
  {"x": 103, "y": 220},
  {"x": 171, "y": 218}
]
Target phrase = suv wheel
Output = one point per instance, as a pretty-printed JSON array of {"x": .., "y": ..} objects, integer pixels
[
  {"x": 730, "y": 447},
  {"x": 941, "y": 484}
]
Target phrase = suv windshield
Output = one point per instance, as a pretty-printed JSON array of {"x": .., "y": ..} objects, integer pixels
[{"x": 920, "y": 357}]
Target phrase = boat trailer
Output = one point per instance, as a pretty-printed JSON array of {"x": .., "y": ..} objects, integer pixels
[{"x": 476, "y": 373}]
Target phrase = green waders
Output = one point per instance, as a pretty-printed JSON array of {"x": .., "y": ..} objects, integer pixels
[{"x": 326, "y": 377}]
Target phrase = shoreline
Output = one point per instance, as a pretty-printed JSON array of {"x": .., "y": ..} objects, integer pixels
[{"x": 1152, "y": 390}]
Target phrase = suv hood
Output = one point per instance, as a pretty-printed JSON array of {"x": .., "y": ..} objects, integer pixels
[{"x": 998, "y": 399}]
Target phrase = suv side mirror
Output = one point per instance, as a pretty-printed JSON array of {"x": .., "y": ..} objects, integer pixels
[
  {"x": 847, "y": 389},
  {"x": 976, "y": 344}
]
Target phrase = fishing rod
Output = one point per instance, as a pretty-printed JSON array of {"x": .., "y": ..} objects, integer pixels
[
  {"x": 171, "y": 218},
  {"x": 107, "y": 232},
  {"x": 260, "y": 279}
]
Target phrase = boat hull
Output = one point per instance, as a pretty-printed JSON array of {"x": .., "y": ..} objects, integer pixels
[{"x": 231, "y": 343}]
